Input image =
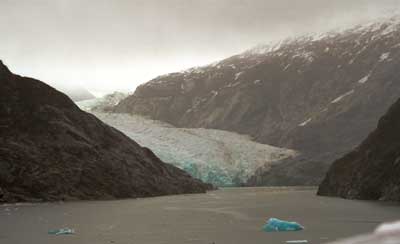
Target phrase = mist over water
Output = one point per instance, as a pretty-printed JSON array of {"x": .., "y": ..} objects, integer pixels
[{"x": 117, "y": 45}]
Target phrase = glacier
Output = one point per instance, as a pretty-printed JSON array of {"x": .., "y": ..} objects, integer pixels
[{"x": 215, "y": 156}]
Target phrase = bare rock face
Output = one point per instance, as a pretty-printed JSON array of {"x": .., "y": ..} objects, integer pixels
[
  {"x": 318, "y": 95},
  {"x": 51, "y": 150},
  {"x": 372, "y": 170}
]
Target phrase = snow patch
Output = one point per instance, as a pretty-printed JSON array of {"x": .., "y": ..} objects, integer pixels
[
  {"x": 389, "y": 30},
  {"x": 338, "y": 99},
  {"x": 214, "y": 93},
  {"x": 286, "y": 67},
  {"x": 305, "y": 122},
  {"x": 384, "y": 56},
  {"x": 364, "y": 79},
  {"x": 195, "y": 70},
  {"x": 237, "y": 75},
  {"x": 308, "y": 56},
  {"x": 233, "y": 84}
]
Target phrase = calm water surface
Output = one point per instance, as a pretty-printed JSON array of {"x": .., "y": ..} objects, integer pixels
[{"x": 226, "y": 216}]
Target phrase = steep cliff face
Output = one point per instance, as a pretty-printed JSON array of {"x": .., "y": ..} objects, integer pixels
[
  {"x": 51, "y": 150},
  {"x": 372, "y": 170},
  {"x": 320, "y": 95}
]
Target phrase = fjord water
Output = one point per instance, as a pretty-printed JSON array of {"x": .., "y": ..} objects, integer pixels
[{"x": 228, "y": 215}]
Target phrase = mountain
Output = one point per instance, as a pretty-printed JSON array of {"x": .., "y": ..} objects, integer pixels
[
  {"x": 372, "y": 170},
  {"x": 317, "y": 94},
  {"x": 51, "y": 150},
  {"x": 76, "y": 93},
  {"x": 218, "y": 157}
]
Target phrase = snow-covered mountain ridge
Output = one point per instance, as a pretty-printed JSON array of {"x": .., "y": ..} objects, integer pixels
[{"x": 318, "y": 94}]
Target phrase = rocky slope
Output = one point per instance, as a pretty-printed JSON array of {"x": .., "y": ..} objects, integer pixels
[
  {"x": 372, "y": 170},
  {"x": 320, "y": 95},
  {"x": 51, "y": 150}
]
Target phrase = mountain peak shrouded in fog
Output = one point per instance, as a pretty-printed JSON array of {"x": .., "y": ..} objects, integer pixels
[{"x": 117, "y": 45}]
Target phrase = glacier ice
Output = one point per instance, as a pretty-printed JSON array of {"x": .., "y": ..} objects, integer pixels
[
  {"x": 214, "y": 156},
  {"x": 274, "y": 225}
]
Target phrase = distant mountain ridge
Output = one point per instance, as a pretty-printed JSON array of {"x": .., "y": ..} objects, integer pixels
[
  {"x": 320, "y": 95},
  {"x": 51, "y": 150},
  {"x": 76, "y": 93}
]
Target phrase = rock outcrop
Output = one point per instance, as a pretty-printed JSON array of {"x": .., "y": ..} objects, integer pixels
[
  {"x": 51, "y": 150},
  {"x": 372, "y": 170},
  {"x": 320, "y": 95}
]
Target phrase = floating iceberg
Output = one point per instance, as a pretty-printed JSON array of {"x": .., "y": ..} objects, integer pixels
[{"x": 274, "y": 225}]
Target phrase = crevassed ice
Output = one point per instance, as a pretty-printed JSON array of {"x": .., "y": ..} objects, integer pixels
[{"x": 218, "y": 157}]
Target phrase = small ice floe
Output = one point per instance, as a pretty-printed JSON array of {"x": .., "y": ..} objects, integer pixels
[
  {"x": 305, "y": 122},
  {"x": 384, "y": 56},
  {"x": 62, "y": 231},
  {"x": 364, "y": 79},
  {"x": 297, "y": 241},
  {"x": 338, "y": 99},
  {"x": 275, "y": 225},
  {"x": 256, "y": 82}
]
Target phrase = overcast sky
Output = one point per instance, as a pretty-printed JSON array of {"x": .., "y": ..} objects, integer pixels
[{"x": 107, "y": 45}]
